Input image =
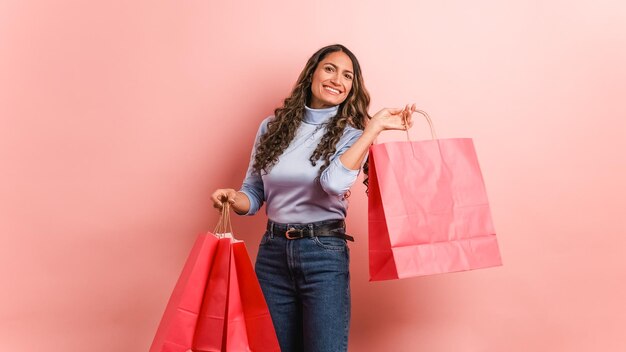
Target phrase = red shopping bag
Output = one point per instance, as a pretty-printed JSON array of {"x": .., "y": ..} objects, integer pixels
[
  {"x": 226, "y": 311},
  {"x": 210, "y": 331},
  {"x": 234, "y": 315},
  {"x": 428, "y": 209},
  {"x": 259, "y": 327},
  {"x": 176, "y": 330}
]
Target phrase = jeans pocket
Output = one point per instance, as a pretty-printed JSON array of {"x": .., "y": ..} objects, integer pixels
[
  {"x": 331, "y": 243},
  {"x": 265, "y": 239}
]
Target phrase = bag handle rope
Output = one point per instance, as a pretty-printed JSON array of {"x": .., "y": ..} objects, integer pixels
[
  {"x": 432, "y": 131},
  {"x": 224, "y": 224},
  {"x": 430, "y": 123}
]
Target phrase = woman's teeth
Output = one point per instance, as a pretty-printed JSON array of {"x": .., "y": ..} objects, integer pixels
[{"x": 332, "y": 90}]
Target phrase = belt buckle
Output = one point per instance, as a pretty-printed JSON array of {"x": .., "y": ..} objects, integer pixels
[{"x": 290, "y": 237}]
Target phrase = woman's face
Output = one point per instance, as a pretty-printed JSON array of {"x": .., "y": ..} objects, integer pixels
[{"x": 332, "y": 80}]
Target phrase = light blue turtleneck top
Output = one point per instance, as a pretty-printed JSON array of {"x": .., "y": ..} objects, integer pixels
[{"x": 290, "y": 189}]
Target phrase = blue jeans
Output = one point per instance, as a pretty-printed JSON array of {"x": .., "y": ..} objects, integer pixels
[{"x": 306, "y": 283}]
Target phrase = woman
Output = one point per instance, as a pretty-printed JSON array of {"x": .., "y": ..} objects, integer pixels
[{"x": 305, "y": 159}]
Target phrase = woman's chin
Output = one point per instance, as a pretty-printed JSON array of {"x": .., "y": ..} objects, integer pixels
[{"x": 334, "y": 101}]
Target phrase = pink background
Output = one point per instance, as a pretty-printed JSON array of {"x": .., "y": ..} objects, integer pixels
[{"x": 118, "y": 119}]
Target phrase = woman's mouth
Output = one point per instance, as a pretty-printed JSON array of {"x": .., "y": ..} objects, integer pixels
[{"x": 332, "y": 90}]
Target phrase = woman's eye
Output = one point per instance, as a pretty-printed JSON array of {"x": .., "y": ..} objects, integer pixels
[
  {"x": 328, "y": 69},
  {"x": 348, "y": 76}
]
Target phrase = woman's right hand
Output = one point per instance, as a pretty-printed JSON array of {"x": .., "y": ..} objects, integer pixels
[{"x": 223, "y": 195}]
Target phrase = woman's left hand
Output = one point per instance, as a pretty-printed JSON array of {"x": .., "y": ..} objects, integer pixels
[{"x": 392, "y": 119}]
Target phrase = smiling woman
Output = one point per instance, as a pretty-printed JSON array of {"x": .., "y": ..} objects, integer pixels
[
  {"x": 303, "y": 258},
  {"x": 332, "y": 81}
]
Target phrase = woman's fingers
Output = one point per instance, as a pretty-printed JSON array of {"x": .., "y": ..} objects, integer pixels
[
  {"x": 407, "y": 116},
  {"x": 396, "y": 118},
  {"x": 410, "y": 110},
  {"x": 222, "y": 195},
  {"x": 394, "y": 111},
  {"x": 403, "y": 117},
  {"x": 231, "y": 197},
  {"x": 216, "y": 198}
]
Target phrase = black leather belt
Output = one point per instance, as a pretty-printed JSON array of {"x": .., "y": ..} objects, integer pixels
[{"x": 328, "y": 228}]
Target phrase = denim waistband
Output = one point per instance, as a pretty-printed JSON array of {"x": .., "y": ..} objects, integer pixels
[{"x": 273, "y": 226}]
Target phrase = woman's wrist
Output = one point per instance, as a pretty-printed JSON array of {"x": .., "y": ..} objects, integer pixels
[
  {"x": 241, "y": 203},
  {"x": 371, "y": 132}
]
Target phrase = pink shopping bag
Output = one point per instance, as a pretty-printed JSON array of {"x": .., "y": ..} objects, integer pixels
[{"x": 428, "y": 209}]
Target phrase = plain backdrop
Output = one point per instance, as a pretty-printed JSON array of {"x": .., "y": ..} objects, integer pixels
[{"x": 119, "y": 118}]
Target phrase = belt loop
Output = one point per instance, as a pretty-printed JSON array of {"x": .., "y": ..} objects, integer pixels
[
  {"x": 311, "y": 232},
  {"x": 272, "y": 230}
]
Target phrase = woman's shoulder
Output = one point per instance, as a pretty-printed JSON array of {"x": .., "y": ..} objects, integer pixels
[
  {"x": 351, "y": 129},
  {"x": 264, "y": 123},
  {"x": 351, "y": 132}
]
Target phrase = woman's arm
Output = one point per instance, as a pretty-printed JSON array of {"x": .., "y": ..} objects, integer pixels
[{"x": 251, "y": 196}]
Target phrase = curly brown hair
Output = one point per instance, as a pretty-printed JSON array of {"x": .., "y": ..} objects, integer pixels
[{"x": 282, "y": 129}]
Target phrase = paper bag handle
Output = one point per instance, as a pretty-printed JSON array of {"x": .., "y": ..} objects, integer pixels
[
  {"x": 430, "y": 123},
  {"x": 224, "y": 225}
]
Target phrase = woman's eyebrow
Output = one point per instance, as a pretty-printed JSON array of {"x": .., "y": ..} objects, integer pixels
[{"x": 335, "y": 66}]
